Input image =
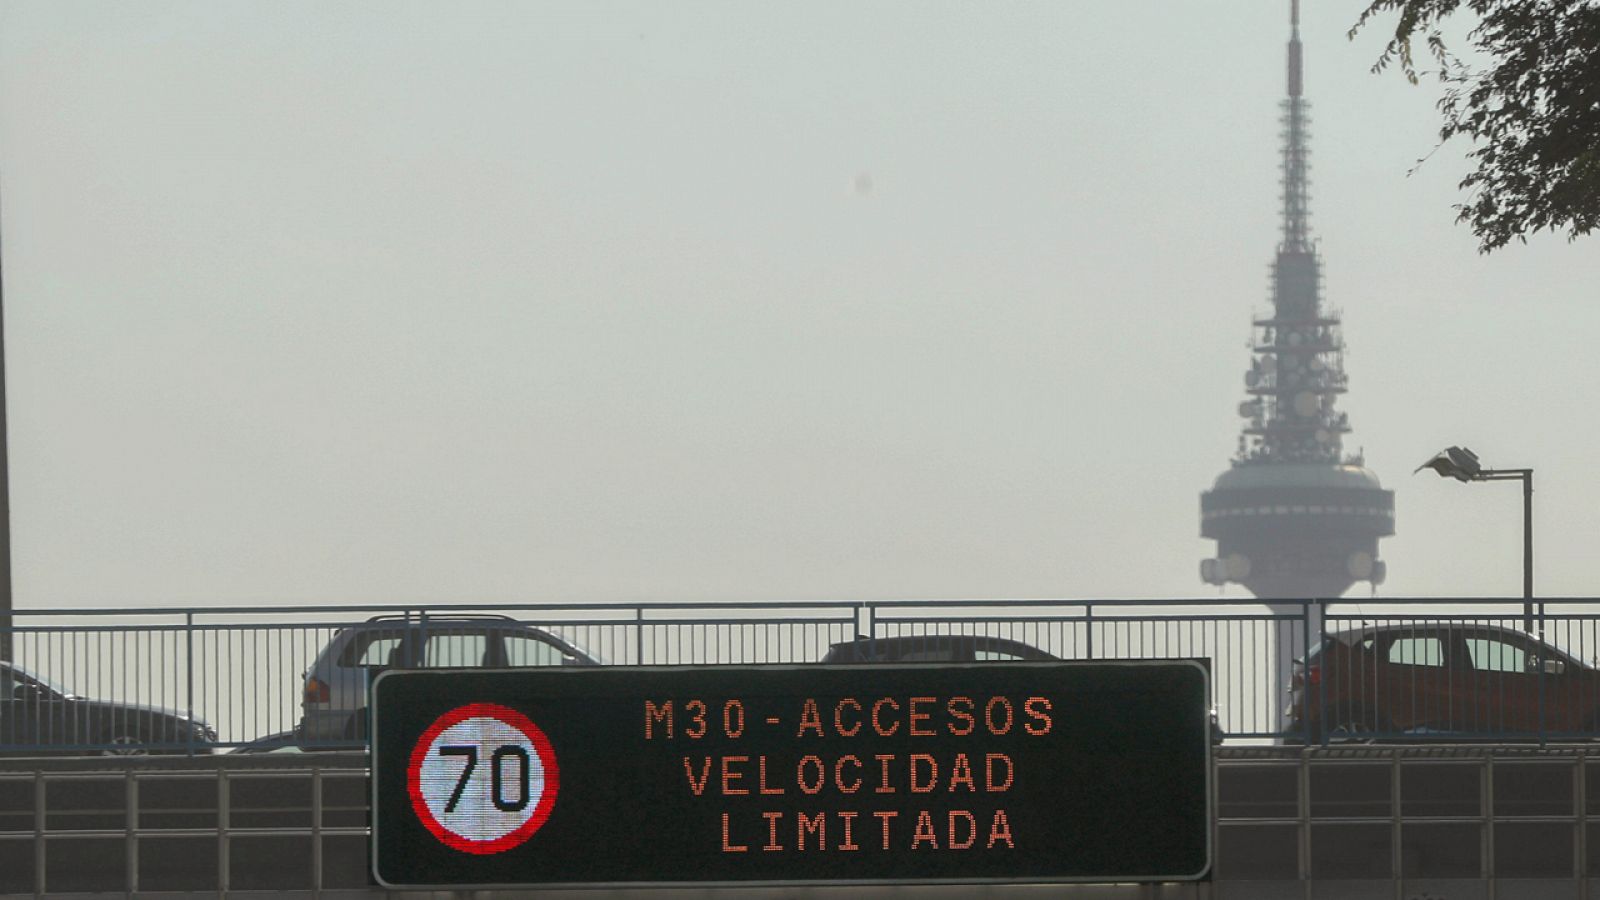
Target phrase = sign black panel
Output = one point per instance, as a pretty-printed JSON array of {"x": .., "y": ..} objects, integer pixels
[{"x": 985, "y": 772}]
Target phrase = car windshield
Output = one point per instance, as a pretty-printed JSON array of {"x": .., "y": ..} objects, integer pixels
[
  {"x": 537, "y": 646},
  {"x": 583, "y": 652},
  {"x": 25, "y": 674}
]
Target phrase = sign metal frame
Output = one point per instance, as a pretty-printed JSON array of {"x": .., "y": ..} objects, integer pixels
[{"x": 868, "y": 671}]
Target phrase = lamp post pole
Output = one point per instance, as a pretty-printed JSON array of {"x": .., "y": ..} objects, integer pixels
[
  {"x": 1462, "y": 465},
  {"x": 1526, "y": 477},
  {"x": 1527, "y": 555}
]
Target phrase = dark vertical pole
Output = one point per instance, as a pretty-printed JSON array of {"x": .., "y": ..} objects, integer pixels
[
  {"x": 5, "y": 493},
  {"x": 1527, "y": 589},
  {"x": 1527, "y": 556}
]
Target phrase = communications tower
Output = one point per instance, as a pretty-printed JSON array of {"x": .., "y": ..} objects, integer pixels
[{"x": 1293, "y": 517}]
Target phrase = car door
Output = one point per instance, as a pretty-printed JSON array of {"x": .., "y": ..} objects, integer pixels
[
  {"x": 1523, "y": 686},
  {"x": 370, "y": 652},
  {"x": 1420, "y": 675},
  {"x": 30, "y": 712},
  {"x": 934, "y": 648},
  {"x": 15, "y": 702}
]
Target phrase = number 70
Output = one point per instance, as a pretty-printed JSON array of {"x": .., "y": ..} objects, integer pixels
[{"x": 497, "y": 778}]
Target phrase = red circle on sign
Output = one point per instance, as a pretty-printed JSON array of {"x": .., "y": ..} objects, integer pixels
[{"x": 541, "y": 746}]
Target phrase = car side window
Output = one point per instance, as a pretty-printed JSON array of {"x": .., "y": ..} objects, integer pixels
[
  {"x": 1489, "y": 655},
  {"x": 372, "y": 649},
  {"x": 929, "y": 654},
  {"x": 1417, "y": 651},
  {"x": 983, "y": 655},
  {"x": 526, "y": 650},
  {"x": 454, "y": 650},
  {"x": 22, "y": 687}
]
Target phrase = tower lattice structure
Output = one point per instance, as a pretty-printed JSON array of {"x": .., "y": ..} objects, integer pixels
[{"x": 1293, "y": 516}]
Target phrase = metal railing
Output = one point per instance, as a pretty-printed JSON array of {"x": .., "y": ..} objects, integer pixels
[{"x": 228, "y": 677}]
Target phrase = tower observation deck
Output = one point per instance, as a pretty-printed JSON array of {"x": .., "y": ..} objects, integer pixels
[{"x": 1293, "y": 517}]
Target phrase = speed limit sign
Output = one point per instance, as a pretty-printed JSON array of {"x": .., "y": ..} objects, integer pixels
[{"x": 483, "y": 778}]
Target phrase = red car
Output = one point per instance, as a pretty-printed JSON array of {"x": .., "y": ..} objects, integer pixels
[{"x": 1441, "y": 679}]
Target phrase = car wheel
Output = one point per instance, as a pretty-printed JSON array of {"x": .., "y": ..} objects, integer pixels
[
  {"x": 1358, "y": 728},
  {"x": 124, "y": 745}
]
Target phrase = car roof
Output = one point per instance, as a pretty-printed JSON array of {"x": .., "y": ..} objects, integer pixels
[
  {"x": 901, "y": 639},
  {"x": 889, "y": 646},
  {"x": 408, "y": 619},
  {"x": 1351, "y": 635},
  {"x": 493, "y": 623}
]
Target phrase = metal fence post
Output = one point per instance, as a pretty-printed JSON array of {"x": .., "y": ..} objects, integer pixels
[
  {"x": 638, "y": 635},
  {"x": 1088, "y": 630},
  {"x": 413, "y": 655},
  {"x": 39, "y": 860},
  {"x": 224, "y": 832},
  {"x": 131, "y": 838},
  {"x": 1580, "y": 783},
  {"x": 1544, "y": 661},
  {"x": 316, "y": 832},
  {"x": 1322, "y": 683},
  {"x": 1487, "y": 870},
  {"x": 1396, "y": 822},
  {"x": 188, "y": 653},
  {"x": 1305, "y": 683}
]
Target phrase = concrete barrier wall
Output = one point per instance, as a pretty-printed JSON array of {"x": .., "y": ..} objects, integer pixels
[{"x": 1429, "y": 823}]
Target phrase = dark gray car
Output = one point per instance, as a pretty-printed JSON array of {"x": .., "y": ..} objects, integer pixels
[
  {"x": 39, "y": 716},
  {"x": 953, "y": 648},
  {"x": 932, "y": 648}
]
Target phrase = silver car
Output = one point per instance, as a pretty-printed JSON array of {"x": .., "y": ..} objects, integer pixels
[{"x": 334, "y": 703}]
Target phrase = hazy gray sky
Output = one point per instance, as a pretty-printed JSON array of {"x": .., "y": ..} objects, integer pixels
[{"x": 568, "y": 301}]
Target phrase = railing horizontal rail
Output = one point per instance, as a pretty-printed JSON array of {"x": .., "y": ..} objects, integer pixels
[{"x": 1097, "y": 617}]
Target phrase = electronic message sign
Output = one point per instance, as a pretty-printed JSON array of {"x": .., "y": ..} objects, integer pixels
[{"x": 985, "y": 772}]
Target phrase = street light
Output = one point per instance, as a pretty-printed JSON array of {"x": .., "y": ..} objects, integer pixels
[{"x": 1462, "y": 465}]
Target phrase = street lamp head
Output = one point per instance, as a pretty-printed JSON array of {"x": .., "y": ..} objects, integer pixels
[{"x": 1454, "y": 462}]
